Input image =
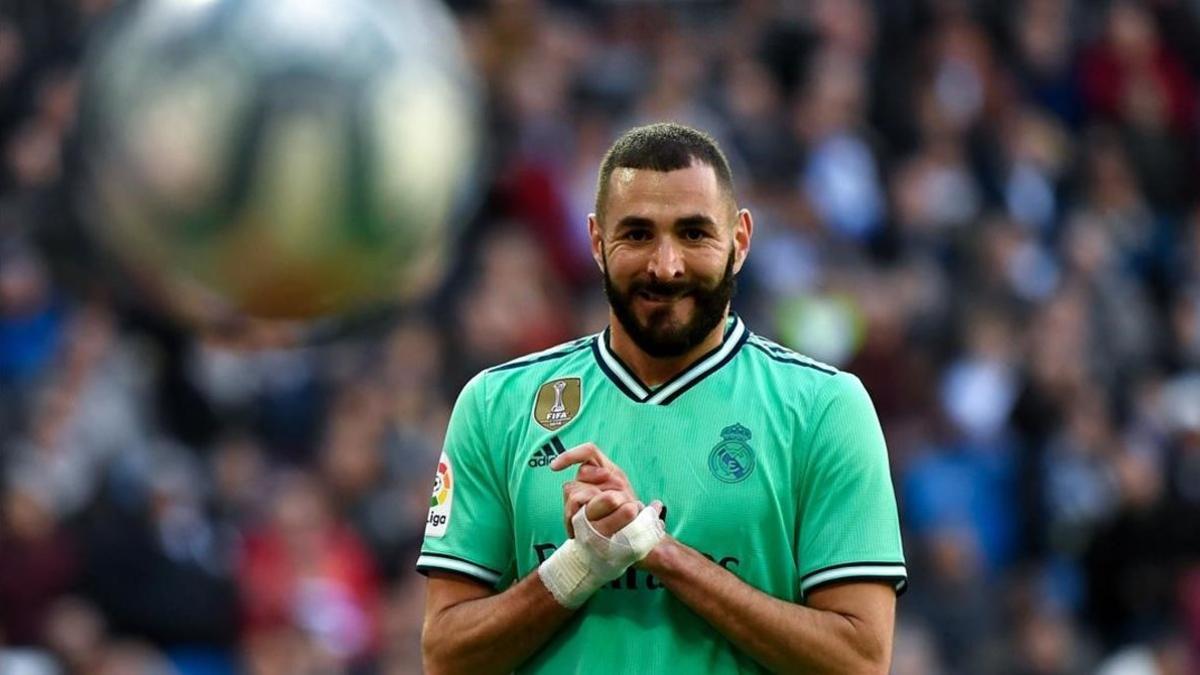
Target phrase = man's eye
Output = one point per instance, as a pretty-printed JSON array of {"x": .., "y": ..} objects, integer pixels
[
  {"x": 638, "y": 235},
  {"x": 694, "y": 234}
]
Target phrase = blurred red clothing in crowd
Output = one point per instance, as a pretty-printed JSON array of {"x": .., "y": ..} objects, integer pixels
[
  {"x": 1132, "y": 76},
  {"x": 38, "y": 563},
  {"x": 307, "y": 574}
]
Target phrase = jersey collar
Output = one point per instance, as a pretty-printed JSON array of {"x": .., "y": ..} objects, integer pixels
[{"x": 736, "y": 334}]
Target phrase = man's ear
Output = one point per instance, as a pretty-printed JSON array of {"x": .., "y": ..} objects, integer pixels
[
  {"x": 743, "y": 232},
  {"x": 596, "y": 236}
]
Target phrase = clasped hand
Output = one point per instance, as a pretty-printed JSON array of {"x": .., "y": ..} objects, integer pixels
[
  {"x": 609, "y": 529},
  {"x": 601, "y": 489}
]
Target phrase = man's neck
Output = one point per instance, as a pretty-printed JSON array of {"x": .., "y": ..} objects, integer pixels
[{"x": 653, "y": 370}]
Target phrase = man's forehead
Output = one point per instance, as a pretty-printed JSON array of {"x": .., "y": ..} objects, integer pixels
[
  {"x": 696, "y": 185},
  {"x": 624, "y": 175}
]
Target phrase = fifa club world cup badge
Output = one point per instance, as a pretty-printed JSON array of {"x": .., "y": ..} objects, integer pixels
[
  {"x": 441, "y": 500},
  {"x": 557, "y": 402},
  {"x": 732, "y": 459}
]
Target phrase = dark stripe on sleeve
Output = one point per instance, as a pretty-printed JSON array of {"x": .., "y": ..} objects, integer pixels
[
  {"x": 862, "y": 563},
  {"x": 899, "y": 583},
  {"x": 790, "y": 360},
  {"x": 541, "y": 359},
  {"x": 454, "y": 557},
  {"x": 424, "y": 570}
]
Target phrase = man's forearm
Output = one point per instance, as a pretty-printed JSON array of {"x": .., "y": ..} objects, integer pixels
[
  {"x": 493, "y": 634},
  {"x": 783, "y": 636}
]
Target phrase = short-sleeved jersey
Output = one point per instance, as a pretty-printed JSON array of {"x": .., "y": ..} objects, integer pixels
[{"x": 769, "y": 463}]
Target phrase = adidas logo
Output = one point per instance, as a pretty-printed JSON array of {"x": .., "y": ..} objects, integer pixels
[{"x": 545, "y": 454}]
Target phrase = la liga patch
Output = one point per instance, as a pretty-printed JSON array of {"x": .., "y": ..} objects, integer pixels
[{"x": 441, "y": 500}]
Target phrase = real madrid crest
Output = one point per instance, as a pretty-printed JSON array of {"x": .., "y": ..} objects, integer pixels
[
  {"x": 732, "y": 459},
  {"x": 558, "y": 402}
]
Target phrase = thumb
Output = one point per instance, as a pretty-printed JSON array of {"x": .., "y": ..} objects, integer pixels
[{"x": 660, "y": 521}]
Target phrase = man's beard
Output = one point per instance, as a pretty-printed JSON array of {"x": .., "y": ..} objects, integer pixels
[{"x": 661, "y": 336}]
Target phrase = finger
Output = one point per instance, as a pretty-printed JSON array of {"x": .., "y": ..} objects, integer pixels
[
  {"x": 605, "y": 503},
  {"x": 605, "y": 478},
  {"x": 578, "y": 498},
  {"x": 609, "y": 466},
  {"x": 619, "y": 518},
  {"x": 570, "y": 489},
  {"x": 586, "y": 453},
  {"x": 575, "y": 496},
  {"x": 569, "y": 518},
  {"x": 590, "y": 473}
]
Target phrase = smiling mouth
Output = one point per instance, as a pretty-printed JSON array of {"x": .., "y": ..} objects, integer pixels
[{"x": 660, "y": 299}]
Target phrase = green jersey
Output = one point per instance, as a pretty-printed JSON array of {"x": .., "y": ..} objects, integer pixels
[{"x": 770, "y": 464}]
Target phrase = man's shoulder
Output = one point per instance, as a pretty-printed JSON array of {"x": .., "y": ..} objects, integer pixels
[
  {"x": 795, "y": 380},
  {"x": 505, "y": 390},
  {"x": 545, "y": 356},
  {"x": 784, "y": 364},
  {"x": 563, "y": 360}
]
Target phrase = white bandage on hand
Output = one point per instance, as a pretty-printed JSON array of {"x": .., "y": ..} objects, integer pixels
[{"x": 582, "y": 565}]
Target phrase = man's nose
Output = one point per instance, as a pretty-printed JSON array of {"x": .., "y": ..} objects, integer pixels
[{"x": 666, "y": 261}]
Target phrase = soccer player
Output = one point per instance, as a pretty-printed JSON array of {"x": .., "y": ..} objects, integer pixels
[{"x": 770, "y": 540}]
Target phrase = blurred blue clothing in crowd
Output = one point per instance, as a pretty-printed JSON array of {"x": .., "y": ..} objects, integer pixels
[
  {"x": 965, "y": 488},
  {"x": 29, "y": 342}
]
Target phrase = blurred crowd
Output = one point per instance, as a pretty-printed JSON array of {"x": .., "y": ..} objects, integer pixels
[{"x": 985, "y": 209}]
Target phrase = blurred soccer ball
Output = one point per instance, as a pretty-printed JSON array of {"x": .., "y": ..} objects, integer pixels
[{"x": 293, "y": 158}]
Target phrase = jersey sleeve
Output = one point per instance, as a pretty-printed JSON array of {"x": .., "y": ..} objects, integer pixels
[
  {"x": 468, "y": 530},
  {"x": 849, "y": 529}
]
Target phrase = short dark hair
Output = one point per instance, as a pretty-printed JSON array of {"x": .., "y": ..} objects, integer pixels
[{"x": 665, "y": 146}]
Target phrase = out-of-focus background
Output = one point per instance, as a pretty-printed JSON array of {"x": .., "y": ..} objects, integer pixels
[{"x": 986, "y": 210}]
